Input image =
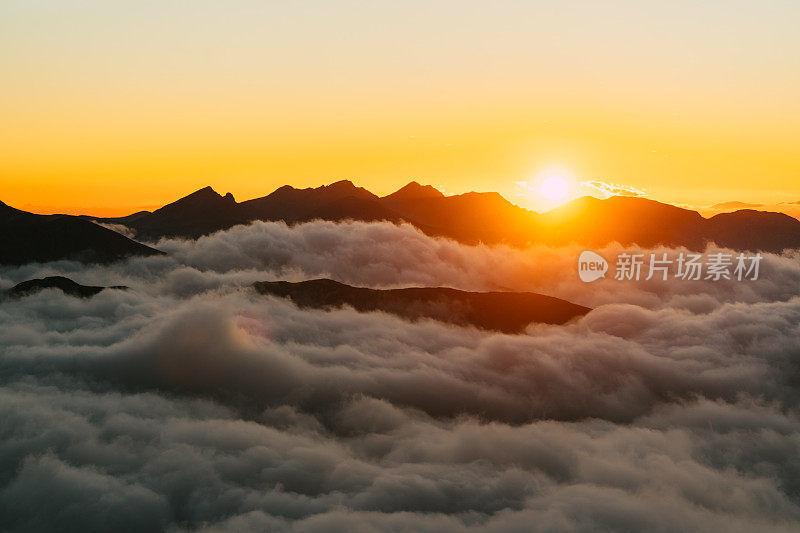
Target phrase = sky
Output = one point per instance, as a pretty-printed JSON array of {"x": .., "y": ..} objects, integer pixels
[{"x": 109, "y": 107}]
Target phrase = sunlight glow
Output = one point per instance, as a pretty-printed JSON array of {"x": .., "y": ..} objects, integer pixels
[{"x": 554, "y": 188}]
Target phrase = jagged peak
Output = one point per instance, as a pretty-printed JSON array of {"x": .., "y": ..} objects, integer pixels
[
  {"x": 208, "y": 192},
  {"x": 205, "y": 192},
  {"x": 199, "y": 197}
]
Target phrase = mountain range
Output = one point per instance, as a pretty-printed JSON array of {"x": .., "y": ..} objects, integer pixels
[
  {"x": 473, "y": 218},
  {"x": 469, "y": 218}
]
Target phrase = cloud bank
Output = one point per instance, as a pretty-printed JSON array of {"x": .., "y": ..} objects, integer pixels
[{"x": 189, "y": 403}]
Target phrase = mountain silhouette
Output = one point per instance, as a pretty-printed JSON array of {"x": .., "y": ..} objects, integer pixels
[
  {"x": 414, "y": 191},
  {"x": 66, "y": 285},
  {"x": 628, "y": 220},
  {"x": 200, "y": 213},
  {"x": 27, "y": 238},
  {"x": 509, "y": 312},
  {"x": 336, "y": 201},
  {"x": 469, "y": 218},
  {"x": 748, "y": 229},
  {"x": 476, "y": 217}
]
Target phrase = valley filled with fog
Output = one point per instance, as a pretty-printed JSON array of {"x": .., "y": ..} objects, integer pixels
[{"x": 191, "y": 402}]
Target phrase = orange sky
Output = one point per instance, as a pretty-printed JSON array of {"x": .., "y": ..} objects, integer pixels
[{"x": 109, "y": 108}]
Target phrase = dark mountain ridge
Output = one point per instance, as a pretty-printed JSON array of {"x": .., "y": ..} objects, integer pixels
[
  {"x": 201, "y": 213},
  {"x": 509, "y": 312},
  {"x": 66, "y": 285},
  {"x": 28, "y": 238},
  {"x": 474, "y": 217}
]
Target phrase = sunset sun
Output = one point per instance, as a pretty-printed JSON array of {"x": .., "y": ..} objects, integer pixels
[{"x": 554, "y": 188}]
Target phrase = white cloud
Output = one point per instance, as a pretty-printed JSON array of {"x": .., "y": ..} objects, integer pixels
[
  {"x": 190, "y": 402},
  {"x": 612, "y": 189}
]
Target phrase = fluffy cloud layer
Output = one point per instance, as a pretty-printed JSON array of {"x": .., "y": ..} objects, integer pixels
[
  {"x": 191, "y": 403},
  {"x": 387, "y": 255}
]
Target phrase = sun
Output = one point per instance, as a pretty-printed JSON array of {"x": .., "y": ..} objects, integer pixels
[{"x": 554, "y": 188}]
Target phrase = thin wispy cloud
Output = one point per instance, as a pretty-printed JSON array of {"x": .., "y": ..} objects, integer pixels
[{"x": 613, "y": 189}]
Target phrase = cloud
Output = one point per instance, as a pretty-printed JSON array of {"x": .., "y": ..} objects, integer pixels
[
  {"x": 384, "y": 255},
  {"x": 119, "y": 228},
  {"x": 613, "y": 189},
  {"x": 192, "y": 403}
]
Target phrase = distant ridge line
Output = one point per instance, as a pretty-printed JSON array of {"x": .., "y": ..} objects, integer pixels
[{"x": 473, "y": 218}]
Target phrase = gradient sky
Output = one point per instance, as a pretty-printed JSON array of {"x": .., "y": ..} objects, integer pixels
[{"x": 108, "y": 107}]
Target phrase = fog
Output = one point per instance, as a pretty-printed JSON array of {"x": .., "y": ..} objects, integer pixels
[{"x": 192, "y": 403}]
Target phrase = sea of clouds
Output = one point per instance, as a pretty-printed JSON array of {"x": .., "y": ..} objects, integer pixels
[{"x": 189, "y": 402}]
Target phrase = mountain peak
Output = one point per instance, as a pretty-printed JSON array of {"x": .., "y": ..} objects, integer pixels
[
  {"x": 201, "y": 197},
  {"x": 346, "y": 188},
  {"x": 341, "y": 185},
  {"x": 628, "y": 205},
  {"x": 493, "y": 197},
  {"x": 415, "y": 191},
  {"x": 206, "y": 191}
]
